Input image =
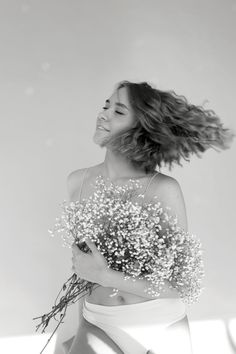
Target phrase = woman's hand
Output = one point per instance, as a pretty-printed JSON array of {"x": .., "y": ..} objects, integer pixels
[{"x": 89, "y": 266}]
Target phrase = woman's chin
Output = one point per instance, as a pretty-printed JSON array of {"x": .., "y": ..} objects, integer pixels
[{"x": 99, "y": 139}]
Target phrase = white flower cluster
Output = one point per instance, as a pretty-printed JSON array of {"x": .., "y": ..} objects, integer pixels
[{"x": 140, "y": 240}]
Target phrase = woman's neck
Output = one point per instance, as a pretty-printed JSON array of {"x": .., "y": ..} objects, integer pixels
[{"x": 115, "y": 166}]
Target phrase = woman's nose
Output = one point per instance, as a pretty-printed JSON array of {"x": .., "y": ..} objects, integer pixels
[{"x": 104, "y": 116}]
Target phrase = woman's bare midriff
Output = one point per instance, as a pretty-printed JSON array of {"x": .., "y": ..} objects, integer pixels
[{"x": 100, "y": 296}]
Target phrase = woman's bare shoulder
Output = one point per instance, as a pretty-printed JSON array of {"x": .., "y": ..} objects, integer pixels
[
  {"x": 163, "y": 182},
  {"x": 169, "y": 192},
  {"x": 75, "y": 178}
]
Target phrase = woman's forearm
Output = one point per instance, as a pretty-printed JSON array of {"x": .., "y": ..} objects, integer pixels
[{"x": 115, "y": 279}]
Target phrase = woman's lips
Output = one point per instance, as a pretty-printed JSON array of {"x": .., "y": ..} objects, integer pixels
[{"x": 100, "y": 127}]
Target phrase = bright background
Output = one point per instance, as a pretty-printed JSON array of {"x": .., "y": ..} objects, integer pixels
[{"x": 59, "y": 61}]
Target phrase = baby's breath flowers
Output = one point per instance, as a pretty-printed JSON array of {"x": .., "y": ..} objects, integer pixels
[{"x": 142, "y": 240}]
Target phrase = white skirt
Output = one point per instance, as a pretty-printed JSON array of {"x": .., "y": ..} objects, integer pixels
[{"x": 138, "y": 328}]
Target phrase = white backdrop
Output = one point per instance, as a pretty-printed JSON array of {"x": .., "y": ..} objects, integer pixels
[{"x": 59, "y": 61}]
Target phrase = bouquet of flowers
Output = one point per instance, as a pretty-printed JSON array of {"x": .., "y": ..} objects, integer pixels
[{"x": 140, "y": 240}]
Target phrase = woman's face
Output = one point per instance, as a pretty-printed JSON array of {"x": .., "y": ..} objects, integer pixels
[{"x": 117, "y": 116}]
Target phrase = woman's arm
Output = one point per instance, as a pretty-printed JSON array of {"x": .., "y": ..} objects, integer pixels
[
  {"x": 115, "y": 279},
  {"x": 74, "y": 180},
  {"x": 169, "y": 194}
]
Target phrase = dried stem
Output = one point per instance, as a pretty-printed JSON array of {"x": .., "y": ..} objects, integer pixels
[{"x": 75, "y": 287}]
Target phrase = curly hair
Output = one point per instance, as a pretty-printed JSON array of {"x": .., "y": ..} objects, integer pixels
[{"x": 167, "y": 127}]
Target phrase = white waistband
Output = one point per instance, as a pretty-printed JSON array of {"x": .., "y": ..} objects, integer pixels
[{"x": 163, "y": 310}]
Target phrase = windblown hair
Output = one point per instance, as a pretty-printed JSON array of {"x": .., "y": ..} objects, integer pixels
[{"x": 167, "y": 128}]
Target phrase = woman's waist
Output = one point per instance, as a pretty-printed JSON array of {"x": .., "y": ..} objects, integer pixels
[
  {"x": 106, "y": 296},
  {"x": 157, "y": 310}
]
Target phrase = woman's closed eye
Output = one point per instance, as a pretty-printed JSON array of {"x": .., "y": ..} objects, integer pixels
[{"x": 115, "y": 111}]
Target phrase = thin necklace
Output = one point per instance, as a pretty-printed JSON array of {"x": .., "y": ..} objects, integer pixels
[{"x": 114, "y": 183}]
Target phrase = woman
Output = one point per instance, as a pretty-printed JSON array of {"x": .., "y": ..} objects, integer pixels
[{"x": 141, "y": 127}]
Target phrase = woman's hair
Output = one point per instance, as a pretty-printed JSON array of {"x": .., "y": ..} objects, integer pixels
[{"x": 167, "y": 127}]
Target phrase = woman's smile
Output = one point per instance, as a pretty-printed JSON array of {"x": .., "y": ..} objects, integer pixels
[{"x": 99, "y": 127}]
